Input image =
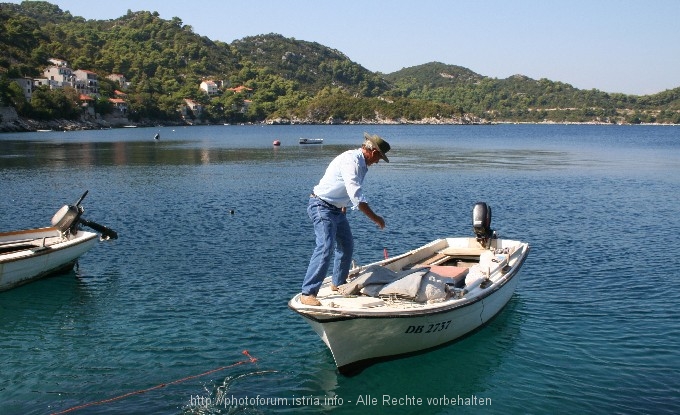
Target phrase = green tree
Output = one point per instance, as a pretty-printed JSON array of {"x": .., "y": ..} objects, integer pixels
[{"x": 55, "y": 104}]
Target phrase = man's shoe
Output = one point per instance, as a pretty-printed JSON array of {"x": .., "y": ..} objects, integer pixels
[
  {"x": 334, "y": 287},
  {"x": 309, "y": 300}
]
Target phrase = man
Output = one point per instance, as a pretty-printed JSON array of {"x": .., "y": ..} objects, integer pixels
[{"x": 339, "y": 187}]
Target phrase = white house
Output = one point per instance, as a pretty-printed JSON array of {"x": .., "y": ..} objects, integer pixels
[
  {"x": 59, "y": 76},
  {"x": 86, "y": 82},
  {"x": 209, "y": 87}
]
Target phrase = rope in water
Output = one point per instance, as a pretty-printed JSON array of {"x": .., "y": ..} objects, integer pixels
[{"x": 162, "y": 385}]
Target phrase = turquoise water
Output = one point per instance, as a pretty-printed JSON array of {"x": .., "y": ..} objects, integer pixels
[{"x": 188, "y": 286}]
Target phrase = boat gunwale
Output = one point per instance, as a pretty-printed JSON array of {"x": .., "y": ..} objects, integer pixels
[
  {"x": 311, "y": 313},
  {"x": 38, "y": 251},
  {"x": 29, "y": 231}
]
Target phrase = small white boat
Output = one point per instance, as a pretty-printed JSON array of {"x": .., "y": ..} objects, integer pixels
[
  {"x": 31, "y": 254},
  {"x": 419, "y": 300},
  {"x": 311, "y": 140}
]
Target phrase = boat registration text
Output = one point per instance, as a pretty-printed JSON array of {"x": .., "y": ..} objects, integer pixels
[{"x": 428, "y": 328}]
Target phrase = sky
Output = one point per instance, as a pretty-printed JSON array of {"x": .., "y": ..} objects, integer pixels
[{"x": 615, "y": 46}]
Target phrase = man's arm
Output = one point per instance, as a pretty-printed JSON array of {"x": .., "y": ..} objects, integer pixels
[{"x": 363, "y": 206}]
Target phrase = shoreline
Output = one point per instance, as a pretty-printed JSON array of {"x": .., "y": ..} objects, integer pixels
[{"x": 16, "y": 124}]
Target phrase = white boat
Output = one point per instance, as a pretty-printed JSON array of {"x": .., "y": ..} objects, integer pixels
[
  {"x": 460, "y": 284},
  {"x": 31, "y": 254},
  {"x": 311, "y": 140}
]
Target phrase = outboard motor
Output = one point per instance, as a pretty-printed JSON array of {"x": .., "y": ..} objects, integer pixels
[
  {"x": 481, "y": 223},
  {"x": 69, "y": 217}
]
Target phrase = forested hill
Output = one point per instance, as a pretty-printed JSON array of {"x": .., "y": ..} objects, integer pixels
[
  {"x": 286, "y": 79},
  {"x": 522, "y": 98}
]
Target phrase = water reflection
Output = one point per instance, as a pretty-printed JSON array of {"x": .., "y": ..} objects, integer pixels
[
  {"x": 37, "y": 154},
  {"x": 30, "y": 154}
]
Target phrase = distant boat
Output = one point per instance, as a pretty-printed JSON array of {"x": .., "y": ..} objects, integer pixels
[
  {"x": 157, "y": 136},
  {"x": 311, "y": 140}
]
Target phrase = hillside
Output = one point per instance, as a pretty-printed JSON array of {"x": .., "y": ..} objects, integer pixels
[
  {"x": 521, "y": 98},
  {"x": 434, "y": 75},
  {"x": 285, "y": 79},
  {"x": 311, "y": 65}
]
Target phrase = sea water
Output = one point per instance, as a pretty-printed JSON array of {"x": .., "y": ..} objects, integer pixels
[{"x": 186, "y": 313}]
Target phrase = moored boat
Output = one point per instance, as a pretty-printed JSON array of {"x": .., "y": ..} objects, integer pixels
[
  {"x": 31, "y": 254},
  {"x": 311, "y": 140},
  {"x": 418, "y": 300}
]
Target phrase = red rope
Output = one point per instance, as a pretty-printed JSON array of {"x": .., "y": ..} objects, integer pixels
[{"x": 162, "y": 385}]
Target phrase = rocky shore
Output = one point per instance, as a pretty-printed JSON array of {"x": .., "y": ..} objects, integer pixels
[
  {"x": 11, "y": 122},
  {"x": 26, "y": 125}
]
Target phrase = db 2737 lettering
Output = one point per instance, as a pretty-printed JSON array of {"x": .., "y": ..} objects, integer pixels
[{"x": 428, "y": 328}]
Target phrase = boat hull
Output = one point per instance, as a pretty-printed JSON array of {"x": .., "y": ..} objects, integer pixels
[
  {"x": 356, "y": 342},
  {"x": 311, "y": 141},
  {"x": 358, "y": 337},
  {"x": 41, "y": 259}
]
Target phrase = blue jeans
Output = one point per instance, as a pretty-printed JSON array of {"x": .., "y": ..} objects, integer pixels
[{"x": 333, "y": 235}]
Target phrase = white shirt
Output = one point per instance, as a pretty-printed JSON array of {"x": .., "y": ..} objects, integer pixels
[{"x": 341, "y": 184}]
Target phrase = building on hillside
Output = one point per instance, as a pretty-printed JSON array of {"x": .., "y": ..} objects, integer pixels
[
  {"x": 120, "y": 79},
  {"x": 119, "y": 104},
  {"x": 86, "y": 103},
  {"x": 248, "y": 92},
  {"x": 59, "y": 76},
  {"x": 191, "y": 109},
  {"x": 209, "y": 87},
  {"x": 38, "y": 82},
  {"x": 86, "y": 82},
  {"x": 26, "y": 85},
  {"x": 29, "y": 85},
  {"x": 58, "y": 62}
]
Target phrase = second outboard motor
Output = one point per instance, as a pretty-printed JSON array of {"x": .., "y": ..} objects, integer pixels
[
  {"x": 481, "y": 222},
  {"x": 68, "y": 216}
]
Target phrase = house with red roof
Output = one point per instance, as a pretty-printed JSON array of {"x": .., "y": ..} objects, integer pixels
[
  {"x": 119, "y": 104},
  {"x": 242, "y": 90}
]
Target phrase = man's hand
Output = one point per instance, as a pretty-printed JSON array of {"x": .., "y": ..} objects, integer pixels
[
  {"x": 380, "y": 222},
  {"x": 363, "y": 206}
]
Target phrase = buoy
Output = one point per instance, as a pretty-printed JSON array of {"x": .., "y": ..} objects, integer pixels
[{"x": 277, "y": 143}]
